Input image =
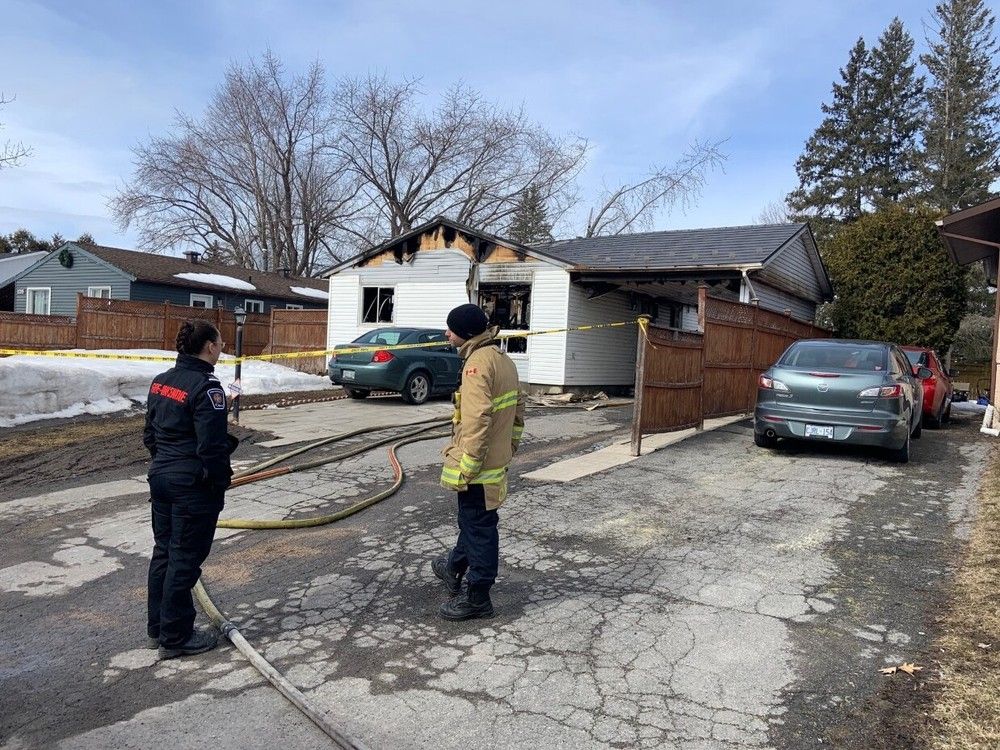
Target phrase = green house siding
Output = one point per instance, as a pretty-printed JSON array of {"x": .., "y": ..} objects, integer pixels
[
  {"x": 177, "y": 295},
  {"x": 66, "y": 283}
]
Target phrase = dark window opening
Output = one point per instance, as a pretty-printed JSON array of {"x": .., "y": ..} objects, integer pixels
[
  {"x": 376, "y": 305},
  {"x": 508, "y": 306}
]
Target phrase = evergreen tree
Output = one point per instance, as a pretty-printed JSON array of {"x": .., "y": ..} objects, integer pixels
[
  {"x": 530, "y": 224},
  {"x": 961, "y": 139},
  {"x": 894, "y": 281},
  {"x": 86, "y": 238},
  {"x": 832, "y": 168},
  {"x": 895, "y": 117}
]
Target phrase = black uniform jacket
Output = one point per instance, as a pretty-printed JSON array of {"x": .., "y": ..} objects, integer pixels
[{"x": 186, "y": 424}]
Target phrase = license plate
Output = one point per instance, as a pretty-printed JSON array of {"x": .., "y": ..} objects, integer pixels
[
  {"x": 818, "y": 430},
  {"x": 348, "y": 374}
]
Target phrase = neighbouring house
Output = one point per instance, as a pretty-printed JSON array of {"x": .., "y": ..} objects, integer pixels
[
  {"x": 11, "y": 265},
  {"x": 50, "y": 285},
  {"x": 415, "y": 279}
]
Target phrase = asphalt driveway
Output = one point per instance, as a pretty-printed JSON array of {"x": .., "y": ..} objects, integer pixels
[{"x": 711, "y": 595}]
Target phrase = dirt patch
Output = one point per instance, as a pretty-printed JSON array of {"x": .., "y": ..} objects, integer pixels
[{"x": 37, "y": 455}]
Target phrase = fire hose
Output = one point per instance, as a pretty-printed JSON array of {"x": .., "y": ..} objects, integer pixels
[{"x": 264, "y": 471}]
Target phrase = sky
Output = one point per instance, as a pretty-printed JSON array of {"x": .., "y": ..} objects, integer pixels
[{"x": 640, "y": 80}]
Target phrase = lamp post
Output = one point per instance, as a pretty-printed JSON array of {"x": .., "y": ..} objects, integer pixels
[{"x": 241, "y": 317}]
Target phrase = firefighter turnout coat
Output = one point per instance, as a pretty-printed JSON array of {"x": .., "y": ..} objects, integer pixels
[{"x": 487, "y": 423}]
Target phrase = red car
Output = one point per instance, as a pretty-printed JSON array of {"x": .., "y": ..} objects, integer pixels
[{"x": 937, "y": 388}]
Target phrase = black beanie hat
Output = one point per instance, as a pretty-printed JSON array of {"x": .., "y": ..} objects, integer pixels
[{"x": 467, "y": 321}]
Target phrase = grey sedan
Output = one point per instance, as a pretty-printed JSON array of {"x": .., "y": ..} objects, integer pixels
[{"x": 858, "y": 392}]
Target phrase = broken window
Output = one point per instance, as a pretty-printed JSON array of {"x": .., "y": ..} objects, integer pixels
[
  {"x": 508, "y": 306},
  {"x": 376, "y": 304}
]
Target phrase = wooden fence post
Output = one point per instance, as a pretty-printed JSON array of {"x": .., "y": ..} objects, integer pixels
[
  {"x": 640, "y": 379},
  {"x": 166, "y": 326},
  {"x": 79, "y": 311},
  {"x": 752, "y": 375}
]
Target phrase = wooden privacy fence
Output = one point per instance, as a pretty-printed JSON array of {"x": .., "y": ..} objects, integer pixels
[
  {"x": 299, "y": 331},
  {"x": 122, "y": 324},
  {"x": 683, "y": 378},
  {"x": 25, "y": 331}
]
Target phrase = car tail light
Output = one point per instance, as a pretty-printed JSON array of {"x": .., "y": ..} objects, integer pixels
[
  {"x": 885, "y": 391},
  {"x": 771, "y": 384},
  {"x": 381, "y": 357}
]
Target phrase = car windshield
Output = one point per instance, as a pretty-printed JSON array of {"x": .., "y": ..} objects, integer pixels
[
  {"x": 384, "y": 336},
  {"x": 916, "y": 358},
  {"x": 835, "y": 356}
]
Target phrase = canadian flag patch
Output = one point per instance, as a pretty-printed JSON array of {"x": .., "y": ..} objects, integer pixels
[{"x": 472, "y": 371}]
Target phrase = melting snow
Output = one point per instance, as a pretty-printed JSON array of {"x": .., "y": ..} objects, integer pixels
[
  {"x": 315, "y": 293},
  {"x": 52, "y": 387},
  {"x": 217, "y": 279}
]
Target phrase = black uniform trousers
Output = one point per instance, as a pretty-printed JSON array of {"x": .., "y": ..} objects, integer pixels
[
  {"x": 477, "y": 551},
  {"x": 185, "y": 511}
]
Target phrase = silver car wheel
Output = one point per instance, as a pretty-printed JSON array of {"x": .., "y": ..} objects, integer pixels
[{"x": 419, "y": 389}]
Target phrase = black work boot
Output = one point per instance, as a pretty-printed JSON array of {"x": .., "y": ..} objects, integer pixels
[
  {"x": 463, "y": 608},
  {"x": 199, "y": 642},
  {"x": 452, "y": 582}
]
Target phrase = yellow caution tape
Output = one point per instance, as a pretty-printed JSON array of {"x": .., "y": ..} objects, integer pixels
[{"x": 299, "y": 355}]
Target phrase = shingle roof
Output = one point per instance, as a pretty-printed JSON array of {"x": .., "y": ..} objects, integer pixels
[
  {"x": 161, "y": 269},
  {"x": 676, "y": 249}
]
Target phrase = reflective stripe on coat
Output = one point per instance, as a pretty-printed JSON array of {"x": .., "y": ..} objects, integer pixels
[{"x": 488, "y": 421}]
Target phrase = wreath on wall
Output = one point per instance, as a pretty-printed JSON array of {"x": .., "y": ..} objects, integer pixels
[{"x": 66, "y": 257}]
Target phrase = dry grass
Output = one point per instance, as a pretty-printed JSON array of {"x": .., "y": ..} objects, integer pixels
[{"x": 966, "y": 712}]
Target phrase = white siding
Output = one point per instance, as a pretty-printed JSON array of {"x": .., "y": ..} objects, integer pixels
[
  {"x": 547, "y": 353},
  {"x": 435, "y": 282},
  {"x": 605, "y": 356},
  {"x": 425, "y": 291}
]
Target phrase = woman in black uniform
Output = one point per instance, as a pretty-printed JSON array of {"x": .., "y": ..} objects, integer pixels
[{"x": 185, "y": 433}]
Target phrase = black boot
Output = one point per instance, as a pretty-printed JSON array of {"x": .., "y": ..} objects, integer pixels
[
  {"x": 463, "y": 608},
  {"x": 199, "y": 642},
  {"x": 452, "y": 582}
]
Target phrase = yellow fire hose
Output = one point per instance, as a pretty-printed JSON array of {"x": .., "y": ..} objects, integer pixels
[{"x": 258, "y": 473}]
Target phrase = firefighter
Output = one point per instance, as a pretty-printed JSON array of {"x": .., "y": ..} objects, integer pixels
[
  {"x": 487, "y": 425},
  {"x": 185, "y": 433}
]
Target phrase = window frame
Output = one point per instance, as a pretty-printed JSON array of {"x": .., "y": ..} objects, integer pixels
[
  {"x": 378, "y": 304},
  {"x": 48, "y": 299},
  {"x": 293, "y": 306},
  {"x": 207, "y": 299},
  {"x": 99, "y": 288},
  {"x": 258, "y": 302}
]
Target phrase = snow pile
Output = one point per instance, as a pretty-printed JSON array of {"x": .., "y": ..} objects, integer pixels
[
  {"x": 314, "y": 293},
  {"x": 217, "y": 279},
  {"x": 33, "y": 388}
]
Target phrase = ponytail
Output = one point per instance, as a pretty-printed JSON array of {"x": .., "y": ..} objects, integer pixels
[{"x": 193, "y": 335}]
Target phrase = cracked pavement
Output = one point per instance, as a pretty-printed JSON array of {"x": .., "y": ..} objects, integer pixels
[{"x": 711, "y": 595}]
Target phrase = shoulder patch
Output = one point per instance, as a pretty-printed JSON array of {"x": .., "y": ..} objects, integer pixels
[
  {"x": 217, "y": 398},
  {"x": 472, "y": 371}
]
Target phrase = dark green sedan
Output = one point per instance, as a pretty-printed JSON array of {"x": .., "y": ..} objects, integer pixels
[{"x": 416, "y": 374}]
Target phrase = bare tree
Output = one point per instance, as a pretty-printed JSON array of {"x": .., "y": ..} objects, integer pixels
[
  {"x": 254, "y": 182},
  {"x": 775, "y": 212},
  {"x": 467, "y": 159},
  {"x": 11, "y": 152},
  {"x": 634, "y": 207}
]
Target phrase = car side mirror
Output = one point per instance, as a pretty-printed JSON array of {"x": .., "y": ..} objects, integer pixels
[{"x": 923, "y": 373}]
